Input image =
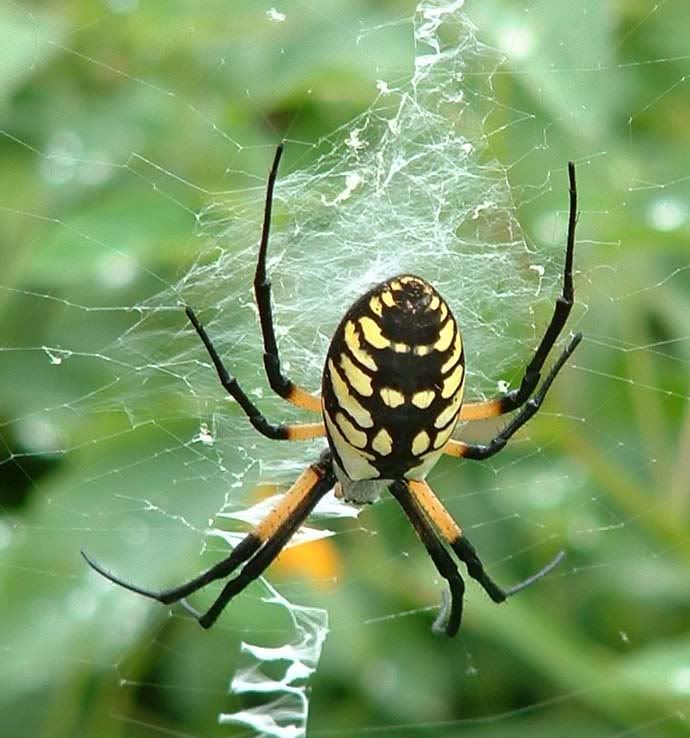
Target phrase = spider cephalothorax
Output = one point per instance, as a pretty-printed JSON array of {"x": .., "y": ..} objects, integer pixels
[{"x": 392, "y": 394}]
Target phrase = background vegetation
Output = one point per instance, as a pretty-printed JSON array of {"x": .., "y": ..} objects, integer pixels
[{"x": 603, "y": 648}]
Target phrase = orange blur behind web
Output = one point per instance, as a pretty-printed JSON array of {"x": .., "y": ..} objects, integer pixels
[{"x": 317, "y": 561}]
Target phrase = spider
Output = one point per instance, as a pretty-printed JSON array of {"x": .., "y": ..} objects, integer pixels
[{"x": 391, "y": 396}]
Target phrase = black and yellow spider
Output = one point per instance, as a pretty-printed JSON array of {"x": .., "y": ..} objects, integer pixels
[{"x": 391, "y": 396}]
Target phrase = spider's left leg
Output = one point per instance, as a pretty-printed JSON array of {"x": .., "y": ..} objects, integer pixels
[
  {"x": 480, "y": 451},
  {"x": 276, "y": 530},
  {"x": 295, "y": 432},
  {"x": 452, "y": 534},
  {"x": 514, "y": 399},
  {"x": 449, "y": 621},
  {"x": 312, "y": 484},
  {"x": 279, "y": 383}
]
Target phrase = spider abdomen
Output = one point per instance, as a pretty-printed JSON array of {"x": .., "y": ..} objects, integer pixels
[{"x": 393, "y": 382}]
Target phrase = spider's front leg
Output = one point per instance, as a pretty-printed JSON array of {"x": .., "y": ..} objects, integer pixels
[
  {"x": 281, "y": 432},
  {"x": 481, "y": 451},
  {"x": 530, "y": 379},
  {"x": 279, "y": 383}
]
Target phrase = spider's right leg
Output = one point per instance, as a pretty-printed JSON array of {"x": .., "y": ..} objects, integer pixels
[
  {"x": 450, "y": 617},
  {"x": 260, "y": 546},
  {"x": 530, "y": 379},
  {"x": 479, "y": 451},
  {"x": 279, "y": 383},
  {"x": 285, "y": 432},
  {"x": 453, "y": 535}
]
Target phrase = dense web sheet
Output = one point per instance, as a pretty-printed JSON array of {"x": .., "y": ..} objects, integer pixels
[{"x": 472, "y": 130}]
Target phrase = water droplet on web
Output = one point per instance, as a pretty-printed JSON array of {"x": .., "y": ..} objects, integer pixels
[
  {"x": 56, "y": 356},
  {"x": 275, "y": 15},
  {"x": 204, "y": 436}
]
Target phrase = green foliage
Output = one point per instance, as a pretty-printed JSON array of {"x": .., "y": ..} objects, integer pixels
[{"x": 600, "y": 649}]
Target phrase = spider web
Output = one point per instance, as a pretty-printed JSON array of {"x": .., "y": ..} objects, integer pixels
[{"x": 470, "y": 115}]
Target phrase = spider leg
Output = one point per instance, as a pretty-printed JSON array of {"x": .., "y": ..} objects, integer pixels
[
  {"x": 243, "y": 551},
  {"x": 294, "y": 432},
  {"x": 480, "y": 451},
  {"x": 279, "y": 383},
  {"x": 452, "y": 534},
  {"x": 287, "y": 518},
  {"x": 450, "y": 617},
  {"x": 514, "y": 399},
  {"x": 269, "y": 535}
]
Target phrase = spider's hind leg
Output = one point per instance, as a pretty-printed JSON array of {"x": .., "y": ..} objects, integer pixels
[
  {"x": 452, "y": 534},
  {"x": 275, "y": 530},
  {"x": 258, "y": 548},
  {"x": 450, "y": 615}
]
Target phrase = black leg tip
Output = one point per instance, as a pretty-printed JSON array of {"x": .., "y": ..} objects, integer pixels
[
  {"x": 92, "y": 563},
  {"x": 447, "y": 623},
  {"x": 571, "y": 174},
  {"x": 539, "y": 575},
  {"x": 574, "y": 343}
]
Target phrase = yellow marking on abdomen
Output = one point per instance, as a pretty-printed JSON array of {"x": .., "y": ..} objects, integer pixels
[
  {"x": 355, "y": 463},
  {"x": 358, "y": 380},
  {"x": 434, "y": 303},
  {"x": 427, "y": 463},
  {"x": 452, "y": 408},
  {"x": 401, "y": 348},
  {"x": 443, "y": 436},
  {"x": 457, "y": 350},
  {"x": 387, "y": 297},
  {"x": 352, "y": 435},
  {"x": 420, "y": 443},
  {"x": 445, "y": 336},
  {"x": 376, "y": 306},
  {"x": 423, "y": 349},
  {"x": 382, "y": 443},
  {"x": 345, "y": 399},
  {"x": 392, "y": 397},
  {"x": 372, "y": 333},
  {"x": 423, "y": 399},
  {"x": 355, "y": 347},
  {"x": 451, "y": 384}
]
